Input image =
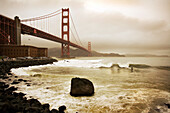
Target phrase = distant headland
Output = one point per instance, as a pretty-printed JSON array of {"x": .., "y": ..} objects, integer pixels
[{"x": 56, "y": 52}]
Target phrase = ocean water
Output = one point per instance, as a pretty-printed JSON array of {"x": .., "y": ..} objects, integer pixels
[{"x": 117, "y": 89}]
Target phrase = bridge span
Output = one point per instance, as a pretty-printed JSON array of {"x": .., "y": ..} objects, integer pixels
[
  {"x": 25, "y": 29},
  {"x": 11, "y": 30}
]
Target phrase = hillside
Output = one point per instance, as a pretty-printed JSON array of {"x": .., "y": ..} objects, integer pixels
[
  {"x": 56, "y": 52},
  {"x": 145, "y": 55}
]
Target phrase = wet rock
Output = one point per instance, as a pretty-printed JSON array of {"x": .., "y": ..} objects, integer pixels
[
  {"x": 121, "y": 97},
  {"x": 25, "y": 104},
  {"x": 19, "y": 94},
  {"x": 46, "y": 111},
  {"x": 81, "y": 87},
  {"x": 4, "y": 77},
  {"x": 1, "y": 89},
  {"x": 28, "y": 85},
  {"x": 15, "y": 82},
  {"x": 12, "y": 102},
  {"x": 125, "y": 105},
  {"x": 10, "y": 97},
  {"x": 9, "y": 73},
  {"x": 16, "y": 106},
  {"x": 6, "y": 86},
  {"x": 62, "y": 109},
  {"x": 20, "y": 79},
  {"x": 1, "y": 76},
  {"x": 35, "y": 84},
  {"x": 139, "y": 65},
  {"x": 34, "y": 102},
  {"x": 157, "y": 110},
  {"x": 32, "y": 110},
  {"x": 168, "y": 105},
  {"x": 139, "y": 105},
  {"x": 12, "y": 88},
  {"x": 54, "y": 111},
  {"x": 7, "y": 107},
  {"x": 25, "y": 80},
  {"x": 3, "y": 85},
  {"x": 46, "y": 106},
  {"x": 161, "y": 102},
  {"x": 128, "y": 97},
  {"x": 115, "y": 65},
  {"x": 37, "y": 75}
]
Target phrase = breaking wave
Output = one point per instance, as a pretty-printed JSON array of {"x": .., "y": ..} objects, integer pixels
[
  {"x": 114, "y": 92},
  {"x": 139, "y": 65},
  {"x": 100, "y": 64},
  {"x": 163, "y": 67},
  {"x": 89, "y": 64}
]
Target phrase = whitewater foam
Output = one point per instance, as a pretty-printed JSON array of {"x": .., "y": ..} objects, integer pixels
[
  {"x": 114, "y": 91},
  {"x": 19, "y": 71},
  {"x": 78, "y": 63},
  {"x": 89, "y": 64},
  {"x": 69, "y": 63}
]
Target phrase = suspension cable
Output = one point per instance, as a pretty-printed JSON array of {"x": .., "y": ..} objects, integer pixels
[
  {"x": 42, "y": 17},
  {"x": 75, "y": 30},
  {"x": 73, "y": 35}
]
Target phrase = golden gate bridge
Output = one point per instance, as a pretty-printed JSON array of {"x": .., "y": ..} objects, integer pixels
[{"x": 11, "y": 30}]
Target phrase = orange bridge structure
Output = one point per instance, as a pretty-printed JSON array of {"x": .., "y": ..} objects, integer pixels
[{"x": 11, "y": 30}]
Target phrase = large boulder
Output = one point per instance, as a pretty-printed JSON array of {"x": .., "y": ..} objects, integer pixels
[{"x": 81, "y": 87}]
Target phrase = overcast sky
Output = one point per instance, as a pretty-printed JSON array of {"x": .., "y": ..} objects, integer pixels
[{"x": 121, "y": 26}]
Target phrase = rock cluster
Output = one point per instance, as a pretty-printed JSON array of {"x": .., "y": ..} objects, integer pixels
[
  {"x": 12, "y": 102},
  {"x": 7, "y": 65}
]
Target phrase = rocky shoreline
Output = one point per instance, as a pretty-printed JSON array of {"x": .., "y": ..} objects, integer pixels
[
  {"x": 12, "y": 102},
  {"x": 5, "y": 66}
]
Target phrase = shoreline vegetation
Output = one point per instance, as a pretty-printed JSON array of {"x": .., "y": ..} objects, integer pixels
[{"x": 12, "y": 102}]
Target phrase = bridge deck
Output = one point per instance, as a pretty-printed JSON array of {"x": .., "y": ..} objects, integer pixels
[{"x": 25, "y": 29}]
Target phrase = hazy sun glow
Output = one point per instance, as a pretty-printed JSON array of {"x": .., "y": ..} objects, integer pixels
[
  {"x": 105, "y": 7},
  {"x": 97, "y": 7},
  {"x": 102, "y": 7}
]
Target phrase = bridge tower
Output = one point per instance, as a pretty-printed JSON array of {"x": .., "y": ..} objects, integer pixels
[
  {"x": 65, "y": 48},
  {"x": 89, "y": 48},
  {"x": 17, "y": 30}
]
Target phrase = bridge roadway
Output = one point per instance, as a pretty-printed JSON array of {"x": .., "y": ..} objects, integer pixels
[{"x": 25, "y": 29}]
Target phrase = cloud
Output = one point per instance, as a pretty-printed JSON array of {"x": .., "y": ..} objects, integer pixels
[
  {"x": 116, "y": 2},
  {"x": 119, "y": 31},
  {"x": 121, "y": 25}
]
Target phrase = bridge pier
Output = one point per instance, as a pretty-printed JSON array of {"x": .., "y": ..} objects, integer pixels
[{"x": 17, "y": 30}]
